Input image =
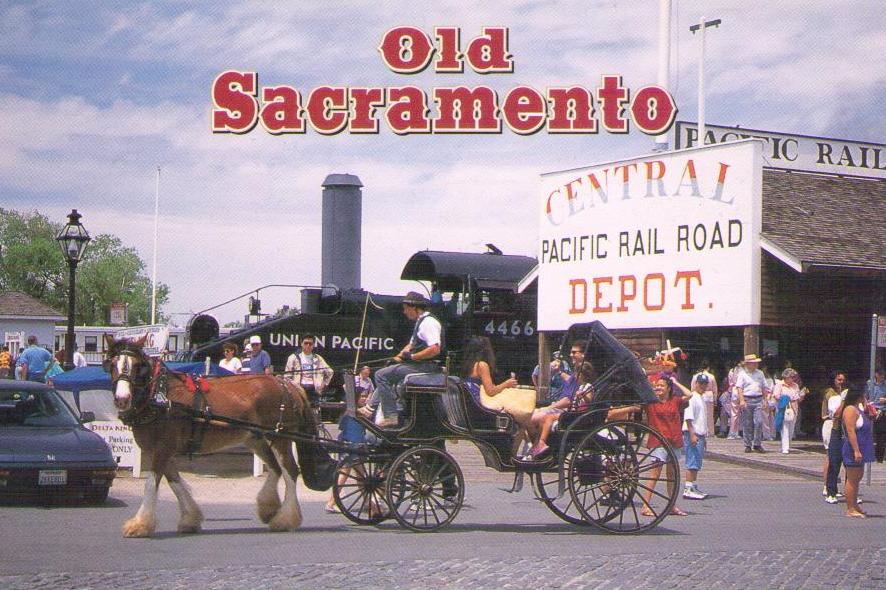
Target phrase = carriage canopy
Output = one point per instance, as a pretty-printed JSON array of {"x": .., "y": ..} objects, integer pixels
[{"x": 620, "y": 379}]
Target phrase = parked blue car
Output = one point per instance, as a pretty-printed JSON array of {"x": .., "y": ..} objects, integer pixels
[{"x": 45, "y": 451}]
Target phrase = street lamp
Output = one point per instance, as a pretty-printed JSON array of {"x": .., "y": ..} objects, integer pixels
[{"x": 72, "y": 239}]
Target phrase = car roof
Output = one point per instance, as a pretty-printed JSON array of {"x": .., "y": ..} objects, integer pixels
[{"x": 17, "y": 385}]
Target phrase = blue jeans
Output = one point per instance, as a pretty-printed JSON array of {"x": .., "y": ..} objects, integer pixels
[
  {"x": 752, "y": 422},
  {"x": 694, "y": 452},
  {"x": 387, "y": 380},
  {"x": 835, "y": 460}
]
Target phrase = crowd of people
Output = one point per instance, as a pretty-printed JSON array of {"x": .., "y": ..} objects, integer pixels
[
  {"x": 749, "y": 404},
  {"x": 35, "y": 362}
]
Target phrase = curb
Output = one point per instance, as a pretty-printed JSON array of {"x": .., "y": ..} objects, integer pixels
[{"x": 763, "y": 465}]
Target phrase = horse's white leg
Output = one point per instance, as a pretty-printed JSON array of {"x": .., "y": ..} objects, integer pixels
[
  {"x": 268, "y": 499},
  {"x": 145, "y": 520},
  {"x": 191, "y": 517},
  {"x": 288, "y": 518}
]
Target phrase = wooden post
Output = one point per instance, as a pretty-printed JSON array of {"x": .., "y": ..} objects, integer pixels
[
  {"x": 752, "y": 340},
  {"x": 543, "y": 390}
]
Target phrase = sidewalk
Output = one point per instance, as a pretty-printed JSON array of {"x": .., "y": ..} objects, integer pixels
[{"x": 805, "y": 459}]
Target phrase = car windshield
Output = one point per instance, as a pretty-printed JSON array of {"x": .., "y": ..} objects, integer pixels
[{"x": 34, "y": 408}]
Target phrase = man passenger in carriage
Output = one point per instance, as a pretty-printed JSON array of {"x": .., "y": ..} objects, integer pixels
[
  {"x": 417, "y": 356},
  {"x": 579, "y": 401},
  {"x": 545, "y": 417}
]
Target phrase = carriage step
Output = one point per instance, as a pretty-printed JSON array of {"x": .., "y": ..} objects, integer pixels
[{"x": 532, "y": 466}]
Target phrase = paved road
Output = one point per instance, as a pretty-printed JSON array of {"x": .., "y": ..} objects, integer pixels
[{"x": 757, "y": 529}]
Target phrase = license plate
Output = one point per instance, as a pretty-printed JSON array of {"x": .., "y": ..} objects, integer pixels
[{"x": 52, "y": 477}]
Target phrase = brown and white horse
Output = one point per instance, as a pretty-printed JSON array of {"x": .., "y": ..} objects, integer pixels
[{"x": 164, "y": 432}]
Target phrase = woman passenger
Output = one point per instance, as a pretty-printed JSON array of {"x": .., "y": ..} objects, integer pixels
[
  {"x": 478, "y": 367},
  {"x": 544, "y": 419}
]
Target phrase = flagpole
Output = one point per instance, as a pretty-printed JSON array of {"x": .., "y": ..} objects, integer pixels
[{"x": 156, "y": 232}]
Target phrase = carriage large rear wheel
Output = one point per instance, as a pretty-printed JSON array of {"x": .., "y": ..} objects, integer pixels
[
  {"x": 359, "y": 490},
  {"x": 547, "y": 485},
  {"x": 425, "y": 489},
  {"x": 617, "y": 483}
]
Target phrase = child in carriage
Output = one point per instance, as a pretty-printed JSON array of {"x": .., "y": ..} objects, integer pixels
[{"x": 579, "y": 401}]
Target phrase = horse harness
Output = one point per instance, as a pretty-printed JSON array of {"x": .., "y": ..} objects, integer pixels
[{"x": 199, "y": 411}]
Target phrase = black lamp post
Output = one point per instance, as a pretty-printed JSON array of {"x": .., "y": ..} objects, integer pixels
[{"x": 72, "y": 239}]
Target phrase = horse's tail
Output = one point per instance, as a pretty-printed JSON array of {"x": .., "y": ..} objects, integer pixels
[{"x": 315, "y": 463}]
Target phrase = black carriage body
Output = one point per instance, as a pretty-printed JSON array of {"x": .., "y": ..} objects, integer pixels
[{"x": 471, "y": 294}]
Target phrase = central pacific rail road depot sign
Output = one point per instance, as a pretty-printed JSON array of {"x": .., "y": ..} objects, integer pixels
[{"x": 666, "y": 240}]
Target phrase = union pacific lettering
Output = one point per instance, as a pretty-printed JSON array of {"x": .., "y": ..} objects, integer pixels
[{"x": 334, "y": 341}]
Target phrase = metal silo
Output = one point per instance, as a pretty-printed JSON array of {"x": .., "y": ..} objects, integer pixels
[{"x": 342, "y": 218}]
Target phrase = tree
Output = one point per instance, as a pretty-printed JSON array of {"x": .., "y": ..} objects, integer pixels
[
  {"x": 31, "y": 261},
  {"x": 112, "y": 273},
  {"x": 30, "y": 258}
]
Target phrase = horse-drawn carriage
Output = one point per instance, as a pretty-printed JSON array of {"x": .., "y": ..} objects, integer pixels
[{"x": 601, "y": 472}]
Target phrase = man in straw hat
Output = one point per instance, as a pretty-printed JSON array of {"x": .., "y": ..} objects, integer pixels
[
  {"x": 752, "y": 393},
  {"x": 417, "y": 356}
]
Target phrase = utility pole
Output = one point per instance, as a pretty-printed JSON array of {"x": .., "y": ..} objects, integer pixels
[
  {"x": 664, "y": 59},
  {"x": 700, "y": 29},
  {"x": 154, "y": 265}
]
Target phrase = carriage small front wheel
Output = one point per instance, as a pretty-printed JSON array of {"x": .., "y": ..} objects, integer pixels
[
  {"x": 359, "y": 489},
  {"x": 425, "y": 489}
]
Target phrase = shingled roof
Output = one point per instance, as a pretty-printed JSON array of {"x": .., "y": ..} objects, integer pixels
[
  {"x": 14, "y": 304},
  {"x": 823, "y": 220}
]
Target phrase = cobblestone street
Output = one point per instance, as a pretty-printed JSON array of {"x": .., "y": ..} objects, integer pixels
[{"x": 809, "y": 569}]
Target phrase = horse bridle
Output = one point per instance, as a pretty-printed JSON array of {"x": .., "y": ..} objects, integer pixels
[{"x": 141, "y": 384}]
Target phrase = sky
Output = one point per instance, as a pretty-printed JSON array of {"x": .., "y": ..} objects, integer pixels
[{"x": 96, "y": 96}]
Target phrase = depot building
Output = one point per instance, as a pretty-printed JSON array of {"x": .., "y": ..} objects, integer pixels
[{"x": 723, "y": 250}]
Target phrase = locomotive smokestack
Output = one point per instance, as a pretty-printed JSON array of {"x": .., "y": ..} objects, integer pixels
[{"x": 342, "y": 219}]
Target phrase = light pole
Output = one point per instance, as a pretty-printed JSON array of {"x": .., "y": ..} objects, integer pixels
[
  {"x": 700, "y": 29},
  {"x": 72, "y": 239}
]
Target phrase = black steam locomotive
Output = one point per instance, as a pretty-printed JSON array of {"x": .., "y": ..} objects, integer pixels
[{"x": 471, "y": 294}]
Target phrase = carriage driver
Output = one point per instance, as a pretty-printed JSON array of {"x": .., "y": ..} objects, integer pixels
[{"x": 425, "y": 345}]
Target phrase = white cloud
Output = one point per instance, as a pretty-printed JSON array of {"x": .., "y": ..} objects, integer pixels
[{"x": 99, "y": 98}]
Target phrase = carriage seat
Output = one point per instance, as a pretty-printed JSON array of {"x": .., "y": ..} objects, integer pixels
[{"x": 457, "y": 406}]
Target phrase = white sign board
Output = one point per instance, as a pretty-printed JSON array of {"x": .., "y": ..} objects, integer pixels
[
  {"x": 156, "y": 337},
  {"x": 117, "y": 314},
  {"x": 119, "y": 438},
  {"x": 796, "y": 152},
  {"x": 666, "y": 240}
]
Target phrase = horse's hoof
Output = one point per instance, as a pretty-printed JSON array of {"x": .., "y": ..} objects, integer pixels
[
  {"x": 282, "y": 523},
  {"x": 266, "y": 512},
  {"x": 135, "y": 528},
  {"x": 189, "y": 528}
]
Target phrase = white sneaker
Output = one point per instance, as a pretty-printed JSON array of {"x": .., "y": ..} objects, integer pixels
[
  {"x": 824, "y": 491},
  {"x": 693, "y": 494},
  {"x": 840, "y": 495},
  {"x": 831, "y": 499}
]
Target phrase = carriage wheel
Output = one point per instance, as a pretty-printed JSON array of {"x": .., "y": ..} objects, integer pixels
[
  {"x": 547, "y": 485},
  {"x": 425, "y": 489},
  {"x": 617, "y": 483},
  {"x": 359, "y": 490}
]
